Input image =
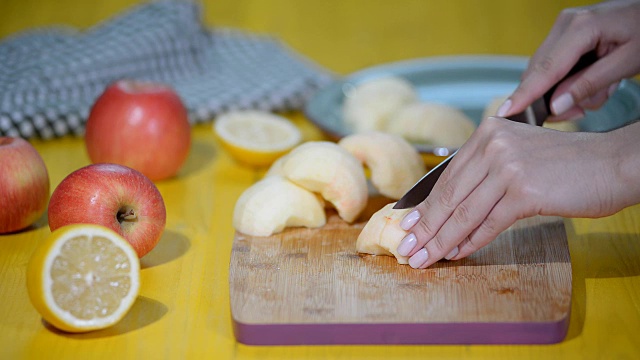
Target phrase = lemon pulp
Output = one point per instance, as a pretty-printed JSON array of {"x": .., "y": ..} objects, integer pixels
[
  {"x": 256, "y": 137},
  {"x": 90, "y": 277},
  {"x": 83, "y": 277}
]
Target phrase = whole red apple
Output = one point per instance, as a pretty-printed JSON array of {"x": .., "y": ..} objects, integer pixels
[
  {"x": 140, "y": 125},
  {"x": 114, "y": 196},
  {"x": 24, "y": 184}
]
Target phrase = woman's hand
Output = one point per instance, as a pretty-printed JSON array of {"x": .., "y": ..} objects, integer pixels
[
  {"x": 612, "y": 28},
  {"x": 508, "y": 171}
]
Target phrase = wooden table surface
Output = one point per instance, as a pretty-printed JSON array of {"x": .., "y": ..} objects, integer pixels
[{"x": 183, "y": 308}]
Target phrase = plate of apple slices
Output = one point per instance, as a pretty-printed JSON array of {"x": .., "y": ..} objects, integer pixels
[{"x": 436, "y": 102}]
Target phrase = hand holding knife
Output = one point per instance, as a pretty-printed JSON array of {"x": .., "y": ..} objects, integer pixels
[{"x": 535, "y": 114}]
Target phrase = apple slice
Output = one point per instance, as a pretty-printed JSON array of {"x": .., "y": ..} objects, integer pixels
[
  {"x": 330, "y": 170},
  {"x": 394, "y": 163},
  {"x": 382, "y": 234},
  {"x": 370, "y": 104},
  {"x": 432, "y": 123},
  {"x": 272, "y": 204}
]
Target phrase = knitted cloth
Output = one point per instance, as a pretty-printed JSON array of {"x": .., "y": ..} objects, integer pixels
[{"x": 50, "y": 78}]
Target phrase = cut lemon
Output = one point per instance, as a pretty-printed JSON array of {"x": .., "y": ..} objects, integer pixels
[
  {"x": 83, "y": 277},
  {"x": 256, "y": 138}
]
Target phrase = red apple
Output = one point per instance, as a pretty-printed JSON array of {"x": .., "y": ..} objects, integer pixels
[
  {"x": 114, "y": 196},
  {"x": 24, "y": 184},
  {"x": 140, "y": 125}
]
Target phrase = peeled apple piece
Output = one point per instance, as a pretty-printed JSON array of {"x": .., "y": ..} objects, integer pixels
[
  {"x": 382, "y": 234},
  {"x": 395, "y": 164},
  {"x": 272, "y": 204},
  {"x": 370, "y": 104},
  {"x": 432, "y": 123},
  {"x": 326, "y": 168},
  {"x": 277, "y": 167}
]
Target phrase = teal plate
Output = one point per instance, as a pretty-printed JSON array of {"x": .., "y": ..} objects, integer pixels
[{"x": 468, "y": 83}]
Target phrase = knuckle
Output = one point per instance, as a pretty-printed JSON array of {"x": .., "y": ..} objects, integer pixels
[
  {"x": 437, "y": 246},
  {"x": 446, "y": 199},
  {"x": 424, "y": 229},
  {"x": 528, "y": 191},
  {"x": 544, "y": 65},
  {"x": 577, "y": 17},
  {"x": 584, "y": 88},
  {"x": 470, "y": 245},
  {"x": 461, "y": 214},
  {"x": 489, "y": 126},
  {"x": 512, "y": 169},
  {"x": 501, "y": 143},
  {"x": 487, "y": 227}
]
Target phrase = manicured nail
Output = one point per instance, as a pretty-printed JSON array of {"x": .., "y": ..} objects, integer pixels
[
  {"x": 504, "y": 108},
  {"x": 407, "y": 244},
  {"x": 419, "y": 258},
  {"x": 409, "y": 220},
  {"x": 563, "y": 103},
  {"x": 452, "y": 253},
  {"x": 612, "y": 88}
]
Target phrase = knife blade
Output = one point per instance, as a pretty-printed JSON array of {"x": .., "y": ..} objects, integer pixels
[{"x": 534, "y": 114}]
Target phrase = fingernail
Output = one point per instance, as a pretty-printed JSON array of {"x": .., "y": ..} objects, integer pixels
[
  {"x": 407, "y": 244},
  {"x": 561, "y": 104},
  {"x": 409, "y": 220},
  {"x": 419, "y": 258},
  {"x": 452, "y": 253},
  {"x": 612, "y": 88},
  {"x": 504, "y": 108}
]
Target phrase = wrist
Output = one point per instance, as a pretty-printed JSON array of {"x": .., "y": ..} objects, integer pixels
[{"x": 626, "y": 144}]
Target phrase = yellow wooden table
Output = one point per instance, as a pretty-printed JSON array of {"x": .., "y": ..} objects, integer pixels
[{"x": 183, "y": 308}]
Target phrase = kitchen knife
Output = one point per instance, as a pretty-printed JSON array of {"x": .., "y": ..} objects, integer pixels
[{"x": 535, "y": 114}]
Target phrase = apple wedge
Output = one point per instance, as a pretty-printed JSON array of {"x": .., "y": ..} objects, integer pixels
[
  {"x": 395, "y": 164},
  {"x": 325, "y": 168},
  {"x": 272, "y": 204},
  {"x": 382, "y": 234},
  {"x": 432, "y": 123},
  {"x": 369, "y": 105}
]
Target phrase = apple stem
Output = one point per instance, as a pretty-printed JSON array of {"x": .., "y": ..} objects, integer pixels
[{"x": 127, "y": 214}]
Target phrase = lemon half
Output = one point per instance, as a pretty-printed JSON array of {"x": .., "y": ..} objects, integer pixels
[
  {"x": 256, "y": 138},
  {"x": 83, "y": 277}
]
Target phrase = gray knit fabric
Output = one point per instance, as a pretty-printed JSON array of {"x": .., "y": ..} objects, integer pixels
[{"x": 49, "y": 78}]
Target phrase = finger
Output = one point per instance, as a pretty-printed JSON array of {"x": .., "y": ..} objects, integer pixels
[
  {"x": 544, "y": 74},
  {"x": 450, "y": 189},
  {"x": 557, "y": 32},
  {"x": 595, "y": 101},
  {"x": 596, "y": 80},
  {"x": 499, "y": 219},
  {"x": 435, "y": 210},
  {"x": 465, "y": 219},
  {"x": 552, "y": 61},
  {"x": 575, "y": 113}
]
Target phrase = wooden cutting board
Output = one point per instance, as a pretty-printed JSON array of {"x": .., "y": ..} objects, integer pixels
[{"x": 309, "y": 286}]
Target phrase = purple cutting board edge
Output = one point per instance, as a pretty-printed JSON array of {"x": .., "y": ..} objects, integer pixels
[{"x": 402, "y": 334}]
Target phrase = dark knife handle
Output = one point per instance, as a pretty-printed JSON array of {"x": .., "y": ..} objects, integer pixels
[{"x": 540, "y": 109}]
